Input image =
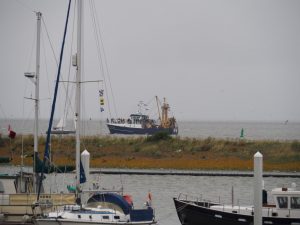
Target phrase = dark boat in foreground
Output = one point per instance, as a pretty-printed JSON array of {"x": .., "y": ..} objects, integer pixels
[
  {"x": 140, "y": 123},
  {"x": 285, "y": 211}
]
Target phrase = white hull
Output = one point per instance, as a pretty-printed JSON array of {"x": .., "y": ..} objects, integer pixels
[{"x": 86, "y": 222}]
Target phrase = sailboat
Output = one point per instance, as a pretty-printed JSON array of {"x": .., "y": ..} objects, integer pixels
[
  {"x": 103, "y": 207},
  {"x": 18, "y": 192},
  {"x": 60, "y": 128}
]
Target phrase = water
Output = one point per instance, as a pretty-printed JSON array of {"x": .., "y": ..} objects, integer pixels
[
  {"x": 165, "y": 188},
  {"x": 194, "y": 129}
]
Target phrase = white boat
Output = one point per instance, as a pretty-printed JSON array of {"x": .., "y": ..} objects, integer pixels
[
  {"x": 102, "y": 207},
  {"x": 113, "y": 209},
  {"x": 60, "y": 128}
]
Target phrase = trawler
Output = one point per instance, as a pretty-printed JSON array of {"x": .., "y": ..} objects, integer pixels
[{"x": 140, "y": 123}]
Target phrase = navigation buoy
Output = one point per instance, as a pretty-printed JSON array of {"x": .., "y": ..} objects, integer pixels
[{"x": 242, "y": 133}]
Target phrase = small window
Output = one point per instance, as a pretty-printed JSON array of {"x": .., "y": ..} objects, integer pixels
[
  {"x": 116, "y": 217},
  {"x": 105, "y": 217},
  {"x": 295, "y": 202},
  {"x": 282, "y": 202},
  {"x": 1, "y": 187}
]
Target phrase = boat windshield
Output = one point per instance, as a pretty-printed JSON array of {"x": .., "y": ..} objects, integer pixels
[
  {"x": 282, "y": 202},
  {"x": 295, "y": 202}
]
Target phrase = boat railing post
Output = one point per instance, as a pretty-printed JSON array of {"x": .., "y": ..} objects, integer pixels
[
  {"x": 239, "y": 205},
  {"x": 219, "y": 199}
]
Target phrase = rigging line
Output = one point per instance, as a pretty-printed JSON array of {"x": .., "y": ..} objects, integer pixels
[
  {"x": 46, "y": 67},
  {"x": 68, "y": 98},
  {"x": 99, "y": 50},
  {"x": 51, "y": 45},
  {"x": 52, "y": 48},
  {"x": 53, "y": 52},
  {"x": 105, "y": 61},
  {"x": 27, "y": 118},
  {"x": 31, "y": 51}
]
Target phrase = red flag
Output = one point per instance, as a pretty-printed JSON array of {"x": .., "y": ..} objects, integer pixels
[
  {"x": 149, "y": 200},
  {"x": 149, "y": 196},
  {"x": 11, "y": 133}
]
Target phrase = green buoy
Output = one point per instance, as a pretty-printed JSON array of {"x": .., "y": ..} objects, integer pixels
[{"x": 242, "y": 133}]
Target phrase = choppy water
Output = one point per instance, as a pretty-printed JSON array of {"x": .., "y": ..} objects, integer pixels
[
  {"x": 165, "y": 188},
  {"x": 252, "y": 130}
]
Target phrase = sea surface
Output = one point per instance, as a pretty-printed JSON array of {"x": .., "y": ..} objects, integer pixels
[
  {"x": 194, "y": 129},
  {"x": 164, "y": 188}
]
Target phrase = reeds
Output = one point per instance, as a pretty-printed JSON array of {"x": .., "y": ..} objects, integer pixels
[{"x": 169, "y": 153}]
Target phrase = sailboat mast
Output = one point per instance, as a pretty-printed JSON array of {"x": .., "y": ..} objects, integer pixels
[
  {"x": 78, "y": 89},
  {"x": 36, "y": 107}
]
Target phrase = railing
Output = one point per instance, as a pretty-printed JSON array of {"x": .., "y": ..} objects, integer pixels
[{"x": 208, "y": 203}]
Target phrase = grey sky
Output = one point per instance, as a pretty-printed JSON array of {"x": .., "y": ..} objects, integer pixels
[{"x": 212, "y": 60}]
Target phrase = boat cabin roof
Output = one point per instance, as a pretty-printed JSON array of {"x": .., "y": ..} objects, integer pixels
[
  {"x": 286, "y": 192},
  {"x": 139, "y": 116}
]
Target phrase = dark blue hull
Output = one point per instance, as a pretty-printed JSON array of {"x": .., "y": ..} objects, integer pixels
[
  {"x": 199, "y": 213},
  {"x": 113, "y": 129}
]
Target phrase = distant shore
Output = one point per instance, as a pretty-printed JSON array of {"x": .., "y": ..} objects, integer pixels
[{"x": 162, "y": 152}]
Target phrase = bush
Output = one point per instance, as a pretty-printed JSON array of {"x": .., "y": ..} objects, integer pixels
[
  {"x": 295, "y": 146},
  {"x": 159, "y": 136},
  {"x": 4, "y": 159}
]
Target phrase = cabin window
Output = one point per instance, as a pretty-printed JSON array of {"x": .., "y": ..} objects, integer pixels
[
  {"x": 1, "y": 187},
  {"x": 295, "y": 202},
  {"x": 105, "y": 217},
  {"x": 116, "y": 217},
  {"x": 282, "y": 202}
]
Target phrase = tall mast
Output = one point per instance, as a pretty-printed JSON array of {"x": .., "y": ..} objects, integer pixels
[
  {"x": 78, "y": 89},
  {"x": 35, "y": 78},
  {"x": 36, "y": 107}
]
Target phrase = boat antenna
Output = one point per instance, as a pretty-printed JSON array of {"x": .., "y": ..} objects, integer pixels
[{"x": 46, "y": 152}]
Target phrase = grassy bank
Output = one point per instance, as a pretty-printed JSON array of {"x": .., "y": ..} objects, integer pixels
[{"x": 163, "y": 152}]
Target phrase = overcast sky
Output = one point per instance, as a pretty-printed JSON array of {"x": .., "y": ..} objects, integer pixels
[{"x": 213, "y": 60}]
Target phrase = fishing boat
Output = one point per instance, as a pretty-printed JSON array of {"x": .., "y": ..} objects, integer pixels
[
  {"x": 140, "y": 123},
  {"x": 102, "y": 207},
  {"x": 284, "y": 211}
]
